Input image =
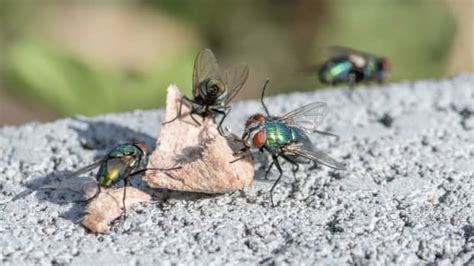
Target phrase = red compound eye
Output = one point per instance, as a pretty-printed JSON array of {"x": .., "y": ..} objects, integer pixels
[
  {"x": 385, "y": 64},
  {"x": 259, "y": 139},
  {"x": 254, "y": 119},
  {"x": 142, "y": 146}
]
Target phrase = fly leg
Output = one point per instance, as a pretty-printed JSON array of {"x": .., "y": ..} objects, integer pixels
[
  {"x": 180, "y": 108},
  {"x": 355, "y": 77},
  {"x": 241, "y": 151},
  {"x": 86, "y": 200},
  {"x": 240, "y": 157},
  {"x": 164, "y": 170},
  {"x": 224, "y": 115},
  {"x": 277, "y": 164},
  {"x": 294, "y": 169},
  {"x": 326, "y": 133},
  {"x": 191, "y": 114},
  {"x": 295, "y": 166},
  {"x": 126, "y": 184},
  {"x": 155, "y": 169},
  {"x": 352, "y": 82},
  {"x": 268, "y": 169},
  {"x": 179, "y": 112},
  {"x": 99, "y": 189},
  {"x": 96, "y": 194}
]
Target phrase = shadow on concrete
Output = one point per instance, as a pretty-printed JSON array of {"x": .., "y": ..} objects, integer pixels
[
  {"x": 45, "y": 191},
  {"x": 100, "y": 135},
  {"x": 164, "y": 196},
  {"x": 96, "y": 135}
]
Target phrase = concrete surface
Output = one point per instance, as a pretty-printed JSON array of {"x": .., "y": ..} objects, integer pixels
[{"x": 407, "y": 198}]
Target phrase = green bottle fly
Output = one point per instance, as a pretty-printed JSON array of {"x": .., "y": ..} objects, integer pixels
[
  {"x": 349, "y": 66},
  {"x": 286, "y": 137}
]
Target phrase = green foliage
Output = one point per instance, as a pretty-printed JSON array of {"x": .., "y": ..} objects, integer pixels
[
  {"x": 415, "y": 35},
  {"x": 72, "y": 86}
]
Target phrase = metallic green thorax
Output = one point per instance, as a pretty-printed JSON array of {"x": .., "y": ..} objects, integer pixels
[
  {"x": 335, "y": 71},
  {"x": 119, "y": 164},
  {"x": 279, "y": 134}
]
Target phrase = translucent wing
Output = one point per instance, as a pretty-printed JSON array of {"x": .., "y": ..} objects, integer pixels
[
  {"x": 310, "y": 69},
  {"x": 309, "y": 152},
  {"x": 358, "y": 58},
  {"x": 333, "y": 51},
  {"x": 124, "y": 160},
  {"x": 235, "y": 78},
  {"x": 205, "y": 66},
  {"x": 117, "y": 167},
  {"x": 308, "y": 117},
  {"x": 86, "y": 169}
]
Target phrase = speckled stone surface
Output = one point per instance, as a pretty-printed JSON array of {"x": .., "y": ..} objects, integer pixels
[{"x": 407, "y": 197}]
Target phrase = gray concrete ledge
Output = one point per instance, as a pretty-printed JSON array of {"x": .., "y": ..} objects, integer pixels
[{"x": 407, "y": 197}]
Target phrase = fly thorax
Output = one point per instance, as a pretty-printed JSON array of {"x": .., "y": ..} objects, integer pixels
[{"x": 213, "y": 91}]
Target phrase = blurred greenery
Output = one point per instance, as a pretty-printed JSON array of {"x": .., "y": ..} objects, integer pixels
[
  {"x": 276, "y": 37},
  {"x": 74, "y": 86},
  {"x": 415, "y": 35}
]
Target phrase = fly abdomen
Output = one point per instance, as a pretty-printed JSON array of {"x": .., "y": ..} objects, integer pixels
[
  {"x": 107, "y": 177},
  {"x": 336, "y": 71}
]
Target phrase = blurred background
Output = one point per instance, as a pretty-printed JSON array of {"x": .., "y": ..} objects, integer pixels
[{"x": 63, "y": 58}]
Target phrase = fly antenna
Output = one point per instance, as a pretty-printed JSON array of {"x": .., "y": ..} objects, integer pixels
[{"x": 261, "y": 98}]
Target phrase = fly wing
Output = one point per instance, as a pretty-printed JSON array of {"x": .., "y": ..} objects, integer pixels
[
  {"x": 205, "y": 66},
  {"x": 308, "y": 117},
  {"x": 117, "y": 167},
  {"x": 309, "y": 152},
  {"x": 86, "y": 169},
  {"x": 235, "y": 79},
  {"x": 358, "y": 58},
  {"x": 310, "y": 69},
  {"x": 124, "y": 160}
]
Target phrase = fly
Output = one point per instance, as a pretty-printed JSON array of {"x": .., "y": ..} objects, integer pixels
[
  {"x": 213, "y": 90},
  {"x": 286, "y": 137}
]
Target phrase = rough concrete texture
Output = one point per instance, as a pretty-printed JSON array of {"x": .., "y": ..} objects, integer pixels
[{"x": 407, "y": 197}]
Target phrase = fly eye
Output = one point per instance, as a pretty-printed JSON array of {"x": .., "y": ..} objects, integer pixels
[
  {"x": 249, "y": 121},
  {"x": 259, "y": 139},
  {"x": 214, "y": 89},
  {"x": 141, "y": 147},
  {"x": 385, "y": 64},
  {"x": 254, "y": 119}
]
